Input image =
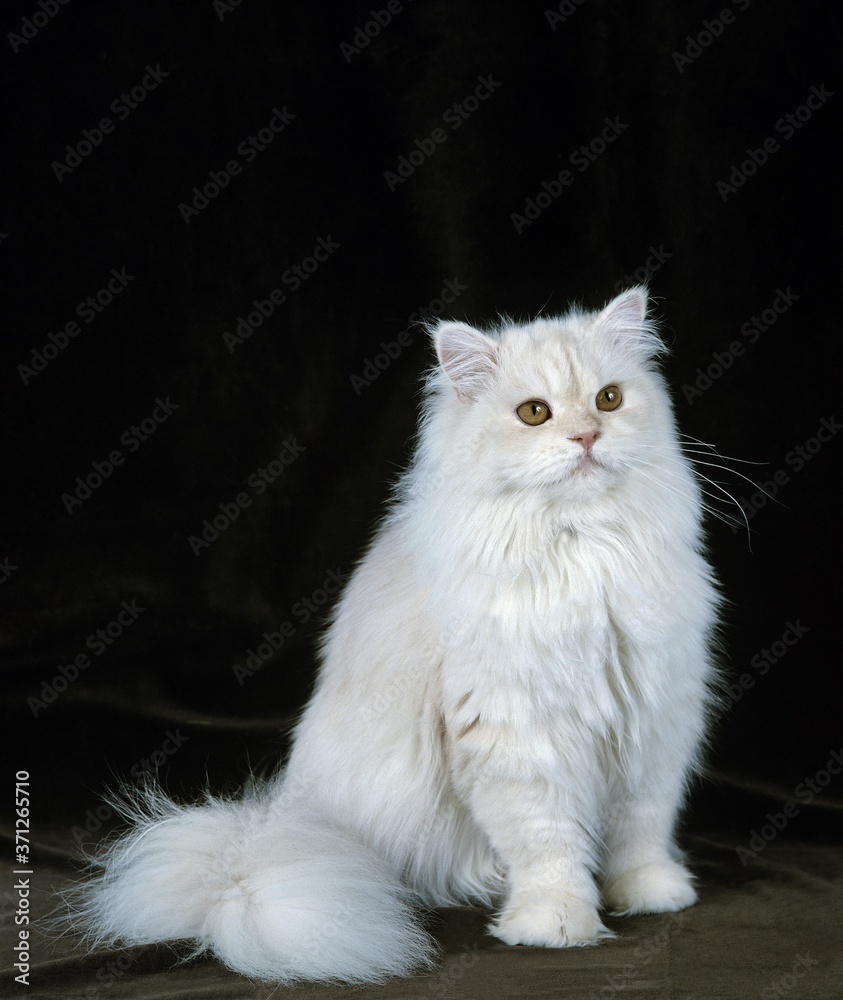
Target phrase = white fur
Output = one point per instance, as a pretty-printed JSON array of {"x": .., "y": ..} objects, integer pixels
[
  {"x": 269, "y": 887},
  {"x": 512, "y": 697}
]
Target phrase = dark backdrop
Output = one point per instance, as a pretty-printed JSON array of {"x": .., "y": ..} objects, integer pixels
[{"x": 683, "y": 165}]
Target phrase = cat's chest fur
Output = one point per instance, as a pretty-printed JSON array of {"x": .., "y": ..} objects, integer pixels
[
  {"x": 575, "y": 627},
  {"x": 578, "y": 656},
  {"x": 564, "y": 588}
]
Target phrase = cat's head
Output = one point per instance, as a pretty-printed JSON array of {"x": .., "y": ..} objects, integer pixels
[{"x": 563, "y": 406}]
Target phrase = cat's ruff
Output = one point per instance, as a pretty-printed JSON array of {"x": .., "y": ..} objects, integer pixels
[{"x": 513, "y": 692}]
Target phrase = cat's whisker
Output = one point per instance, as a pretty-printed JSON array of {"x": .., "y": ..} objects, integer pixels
[
  {"x": 698, "y": 462},
  {"x": 731, "y": 458},
  {"x": 731, "y": 520},
  {"x": 710, "y": 509},
  {"x": 712, "y": 449},
  {"x": 726, "y": 518},
  {"x": 686, "y": 495},
  {"x": 716, "y": 465}
]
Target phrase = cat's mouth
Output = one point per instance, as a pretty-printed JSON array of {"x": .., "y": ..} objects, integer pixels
[{"x": 586, "y": 463}]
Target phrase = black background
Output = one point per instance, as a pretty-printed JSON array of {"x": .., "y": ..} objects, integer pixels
[{"x": 723, "y": 261}]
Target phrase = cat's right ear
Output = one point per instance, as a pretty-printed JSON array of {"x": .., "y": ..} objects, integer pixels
[{"x": 467, "y": 356}]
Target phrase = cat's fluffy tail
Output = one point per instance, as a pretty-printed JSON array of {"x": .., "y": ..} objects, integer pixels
[{"x": 272, "y": 890}]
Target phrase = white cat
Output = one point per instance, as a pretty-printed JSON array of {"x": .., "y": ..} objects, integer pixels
[{"x": 513, "y": 693}]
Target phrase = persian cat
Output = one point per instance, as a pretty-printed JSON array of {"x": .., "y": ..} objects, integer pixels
[{"x": 513, "y": 693}]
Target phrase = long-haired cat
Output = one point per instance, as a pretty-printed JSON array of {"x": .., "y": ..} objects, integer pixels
[{"x": 513, "y": 692}]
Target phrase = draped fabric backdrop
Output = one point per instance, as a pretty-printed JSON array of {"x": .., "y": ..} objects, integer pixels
[{"x": 222, "y": 226}]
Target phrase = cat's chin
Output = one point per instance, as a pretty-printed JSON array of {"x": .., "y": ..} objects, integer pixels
[
  {"x": 587, "y": 465},
  {"x": 584, "y": 482},
  {"x": 591, "y": 469}
]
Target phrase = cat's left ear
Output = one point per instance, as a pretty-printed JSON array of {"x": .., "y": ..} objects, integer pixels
[
  {"x": 626, "y": 319},
  {"x": 467, "y": 356}
]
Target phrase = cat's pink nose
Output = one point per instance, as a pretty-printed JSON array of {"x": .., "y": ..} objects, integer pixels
[{"x": 586, "y": 439}]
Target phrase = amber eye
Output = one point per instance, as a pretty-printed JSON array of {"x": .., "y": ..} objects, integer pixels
[
  {"x": 609, "y": 398},
  {"x": 533, "y": 412}
]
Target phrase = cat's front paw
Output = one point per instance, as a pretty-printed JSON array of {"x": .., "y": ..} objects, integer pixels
[
  {"x": 558, "y": 921},
  {"x": 655, "y": 888}
]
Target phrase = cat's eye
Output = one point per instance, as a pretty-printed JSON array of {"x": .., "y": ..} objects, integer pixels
[
  {"x": 533, "y": 412},
  {"x": 609, "y": 398}
]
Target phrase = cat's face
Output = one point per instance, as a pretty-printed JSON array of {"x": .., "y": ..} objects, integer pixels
[{"x": 562, "y": 406}]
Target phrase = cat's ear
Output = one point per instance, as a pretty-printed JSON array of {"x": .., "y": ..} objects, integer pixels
[
  {"x": 626, "y": 318},
  {"x": 467, "y": 356}
]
